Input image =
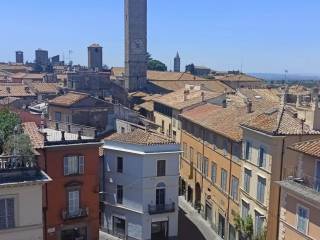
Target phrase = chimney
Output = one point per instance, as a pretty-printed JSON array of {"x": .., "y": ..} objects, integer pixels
[
  {"x": 224, "y": 103},
  {"x": 185, "y": 95},
  {"x": 249, "y": 106},
  {"x": 79, "y": 135},
  {"x": 298, "y": 102},
  {"x": 62, "y": 136},
  {"x": 202, "y": 96}
]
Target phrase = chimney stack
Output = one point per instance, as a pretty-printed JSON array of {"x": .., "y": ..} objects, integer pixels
[
  {"x": 249, "y": 106},
  {"x": 185, "y": 95},
  {"x": 79, "y": 135},
  {"x": 224, "y": 103},
  {"x": 45, "y": 136},
  {"x": 202, "y": 96}
]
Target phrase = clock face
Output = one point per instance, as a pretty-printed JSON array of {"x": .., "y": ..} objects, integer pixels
[{"x": 137, "y": 46}]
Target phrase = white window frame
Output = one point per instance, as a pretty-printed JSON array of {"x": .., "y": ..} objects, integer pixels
[
  {"x": 73, "y": 165},
  {"x": 73, "y": 202},
  {"x": 14, "y": 198},
  {"x": 297, "y": 218}
]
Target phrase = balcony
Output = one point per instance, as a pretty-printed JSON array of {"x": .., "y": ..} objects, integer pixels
[
  {"x": 306, "y": 186},
  {"x": 161, "y": 208},
  {"x": 81, "y": 213}
]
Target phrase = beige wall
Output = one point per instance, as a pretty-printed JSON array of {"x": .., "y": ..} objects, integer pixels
[
  {"x": 28, "y": 213},
  {"x": 175, "y": 124},
  {"x": 288, "y": 226}
]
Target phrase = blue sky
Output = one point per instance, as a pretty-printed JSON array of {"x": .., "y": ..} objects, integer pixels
[{"x": 262, "y": 36}]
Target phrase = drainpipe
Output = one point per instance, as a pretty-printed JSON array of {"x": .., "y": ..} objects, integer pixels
[
  {"x": 279, "y": 198},
  {"x": 228, "y": 205},
  {"x": 46, "y": 194}
]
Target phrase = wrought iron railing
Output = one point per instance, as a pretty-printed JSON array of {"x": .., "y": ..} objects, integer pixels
[
  {"x": 16, "y": 162},
  {"x": 161, "y": 208},
  {"x": 82, "y": 212}
]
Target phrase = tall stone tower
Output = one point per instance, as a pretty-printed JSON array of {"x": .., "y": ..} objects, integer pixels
[
  {"x": 135, "y": 44},
  {"x": 95, "y": 57},
  {"x": 176, "y": 66}
]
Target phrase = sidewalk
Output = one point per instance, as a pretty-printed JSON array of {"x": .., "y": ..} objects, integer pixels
[{"x": 203, "y": 226}]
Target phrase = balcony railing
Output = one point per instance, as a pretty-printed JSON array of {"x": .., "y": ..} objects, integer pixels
[
  {"x": 82, "y": 212},
  {"x": 72, "y": 128},
  {"x": 303, "y": 179},
  {"x": 16, "y": 162},
  {"x": 161, "y": 208}
]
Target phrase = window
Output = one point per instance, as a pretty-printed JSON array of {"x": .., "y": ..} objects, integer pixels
[
  {"x": 123, "y": 130},
  {"x": 213, "y": 172},
  {"x": 261, "y": 189},
  {"x": 225, "y": 147},
  {"x": 247, "y": 150},
  {"x": 73, "y": 202},
  {"x": 232, "y": 232},
  {"x": 119, "y": 194},
  {"x": 73, "y": 165},
  {"x": 302, "y": 219},
  {"x": 246, "y": 180},
  {"x": 258, "y": 225},
  {"x": 185, "y": 149},
  {"x": 57, "y": 116},
  {"x": 234, "y": 188},
  {"x": 262, "y": 157},
  {"x": 224, "y": 176},
  {"x": 119, "y": 164},
  {"x": 199, "y": 161},
  {"x": 161, "y": 168},
  {"x": 161, "y": 194},
  {"x": 191, "y": 154},
  {"x": 205, "y": 166},
  {"x": 7, "y": 213},
  {"x": 214, "y": 142},
  {"x": 245, "y": 209}
]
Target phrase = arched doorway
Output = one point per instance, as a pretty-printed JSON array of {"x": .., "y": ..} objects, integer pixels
[{"x": 197, "y": 202}]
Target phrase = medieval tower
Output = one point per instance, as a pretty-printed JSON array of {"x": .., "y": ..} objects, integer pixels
[
  {"x": 135, "y": 44},
  {"x": 176, "y": 66}
]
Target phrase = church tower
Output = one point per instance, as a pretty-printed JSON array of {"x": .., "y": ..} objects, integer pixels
[
  {"x": 176, "y": 66},
  {"x": 135, "y": 44}
]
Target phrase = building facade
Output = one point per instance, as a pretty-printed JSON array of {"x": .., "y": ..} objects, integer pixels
[
  {"x": 95, "y": 57},
  {"x": 300, "y": 187},
  {"x": 71, "y": 200},
  {"x": 135, "y": 44},
  {"x": 42, "y": 58},
  {"x": 19, "y": 57},
  {"x": 21, "y": 200},
  {"x": 141, "y": 195}
]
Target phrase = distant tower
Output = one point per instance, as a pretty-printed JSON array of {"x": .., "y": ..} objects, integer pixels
[
  {"x": 177, "y": 63},
  {"x": 42, "y": 58},
  {"x": 19, "y": 57},
  {"x": 135, "y": 44},
  {"x": 95, "y": 56}
]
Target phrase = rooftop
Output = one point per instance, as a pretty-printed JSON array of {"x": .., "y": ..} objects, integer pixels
[
  {"x": 44, "y": 137},
  {"x": 15, "y": 90},
  {"x": 140, "y": 137},
  {"x": 311, "y": 147},
  {"x": 180, "y": 99},
  {"x": 68, "y": 99},
  {"x": 48, "y": 88},
  {"x": 279, "y": 121},
  {"x": 240, "y": 78},
  {"x": 226, "y": 121},
  {"x": 95, "y": 45}
]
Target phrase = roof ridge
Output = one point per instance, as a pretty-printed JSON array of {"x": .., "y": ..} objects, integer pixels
[{"x": 279, "y": 118}]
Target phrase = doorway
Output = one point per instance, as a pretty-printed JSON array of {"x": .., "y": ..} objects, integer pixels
[
  {"x": 119, "y": 227},
  {"x": 197, "y": 203},
  {"x": 159, "y": 230},
  {"x": 221, "y": 227}
]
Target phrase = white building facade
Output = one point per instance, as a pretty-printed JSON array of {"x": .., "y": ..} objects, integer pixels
[
  {"x": 21, "y": 203},
  {"x": 141, "y": 186}
]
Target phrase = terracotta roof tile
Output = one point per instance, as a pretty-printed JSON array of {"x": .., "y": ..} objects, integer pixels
[
  {"x": 31, "y": 129},
  {"x": 240, "y": 77},
  {"x": 49, "y": 88},
  {"x": 176, "y": 99},
  {"x": 311, "y": 147},
  {"x": 68, "y": 99},
  {"x": 140, "y": 137},
  {"x": 15, "y": 90}
]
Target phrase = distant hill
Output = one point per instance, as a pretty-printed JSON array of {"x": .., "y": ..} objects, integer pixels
[{"x": 289, "y": 77}]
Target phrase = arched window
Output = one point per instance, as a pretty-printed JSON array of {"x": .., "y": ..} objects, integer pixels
[{"x": 161, "y": 185}]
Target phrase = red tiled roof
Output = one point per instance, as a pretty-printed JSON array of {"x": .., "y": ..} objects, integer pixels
[
  {"x": 311, "y": 147},
  {"x": 68, "y": 99},
  {"x": 31, "y": 129}
]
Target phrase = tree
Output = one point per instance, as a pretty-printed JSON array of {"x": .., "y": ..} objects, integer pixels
[
  {"x": 8, "y": 121},
  {"x": 19, "y": 145},
  {"x": 244, "y": 226},
  {"x": 155, "y": 65}
]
